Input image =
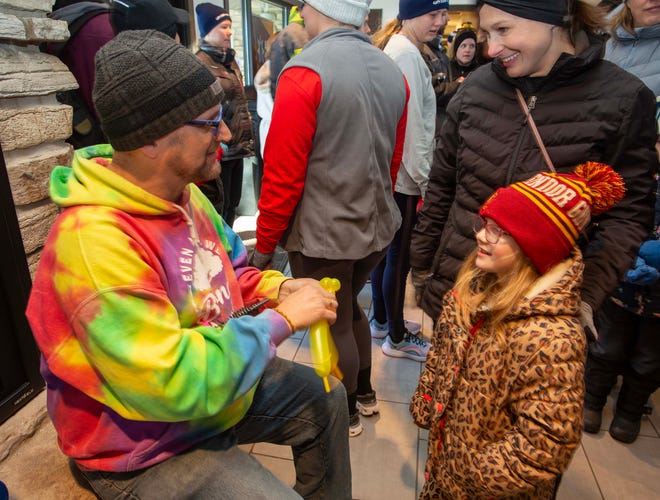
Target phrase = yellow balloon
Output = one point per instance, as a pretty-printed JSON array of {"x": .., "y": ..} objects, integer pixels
[{"x": 324, "y": 351}]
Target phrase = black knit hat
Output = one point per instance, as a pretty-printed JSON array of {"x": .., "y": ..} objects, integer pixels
[
  {"x": 462, "y": 35},
  {"x": 147, "y": 85},
  {"x": 549, "y": 11},
  {"x": 158, "y": 15}
]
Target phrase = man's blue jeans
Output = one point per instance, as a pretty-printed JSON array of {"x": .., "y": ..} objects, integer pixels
[{"x": 290, "y": 407}]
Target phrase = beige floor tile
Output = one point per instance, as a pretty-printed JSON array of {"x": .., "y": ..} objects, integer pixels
[
  {"x": 625, "y": 471},
  {"x": 280, "y": 468},
  {"x": 247, "y": 448},
  {"x": 273, "y": 450},
  {"x": 578, "y": 482},
  {"x": 422, "y": 454},
  {"x": 384, "y": 457},
  {"x": 394, "y": 379}
]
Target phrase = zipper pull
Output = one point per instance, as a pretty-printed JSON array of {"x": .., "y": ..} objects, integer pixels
[{"x": 531, "y": 103}]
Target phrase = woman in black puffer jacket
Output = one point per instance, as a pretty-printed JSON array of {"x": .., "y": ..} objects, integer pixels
[
  {"x": 585, "y": 109},
  {"x": 214, "y": 51}
]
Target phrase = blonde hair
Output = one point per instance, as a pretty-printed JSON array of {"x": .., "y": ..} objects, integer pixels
[
  {"x": 475, "y": 288},
  {"x": 383, "y": 35},
  {"x": 623, "y": 19}
]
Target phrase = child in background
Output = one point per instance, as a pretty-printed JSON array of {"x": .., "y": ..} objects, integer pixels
[{"x": 503, "y": 385}]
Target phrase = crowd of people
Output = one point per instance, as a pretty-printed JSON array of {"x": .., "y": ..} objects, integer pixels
[{"x": 517, "y": 195}]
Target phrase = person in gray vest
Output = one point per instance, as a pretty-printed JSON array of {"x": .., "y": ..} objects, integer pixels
[{"x": 331, "y": 158}]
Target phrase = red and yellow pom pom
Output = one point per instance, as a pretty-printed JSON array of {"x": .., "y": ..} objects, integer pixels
[{"x": 605, "y": 186}]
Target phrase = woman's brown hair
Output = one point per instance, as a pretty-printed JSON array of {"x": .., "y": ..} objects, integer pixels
[{"x": 383, "y": 35}]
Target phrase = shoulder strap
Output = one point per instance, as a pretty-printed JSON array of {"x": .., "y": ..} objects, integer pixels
[{"x": 535, "y": 132}]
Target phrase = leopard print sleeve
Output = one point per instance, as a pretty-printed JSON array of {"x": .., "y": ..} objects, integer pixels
[{"x": 422, "y": 399}]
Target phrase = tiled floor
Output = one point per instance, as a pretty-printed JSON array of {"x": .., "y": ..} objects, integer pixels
[{"x": 388, "y": 457}]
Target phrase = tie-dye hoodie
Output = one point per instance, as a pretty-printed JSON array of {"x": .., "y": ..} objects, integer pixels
[{"x": 130, "y": 308}]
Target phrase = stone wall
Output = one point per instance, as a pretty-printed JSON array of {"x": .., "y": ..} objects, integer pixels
[{"x": 33, "y": 125}]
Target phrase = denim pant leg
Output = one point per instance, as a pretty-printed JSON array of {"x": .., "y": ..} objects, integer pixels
[
  {"x": 216, "y": 469},
  {"x": 292, "y": 408}
]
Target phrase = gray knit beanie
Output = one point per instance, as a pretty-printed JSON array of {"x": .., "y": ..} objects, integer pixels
[
  {"x": 351, "y": 12},
  {"x": 147, "y": 85}
]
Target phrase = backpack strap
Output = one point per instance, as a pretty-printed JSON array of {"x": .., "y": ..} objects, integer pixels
[{"x": 76, "y": 16}]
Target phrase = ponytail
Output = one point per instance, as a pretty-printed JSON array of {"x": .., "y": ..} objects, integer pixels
[{"x": 383, "y": 35}]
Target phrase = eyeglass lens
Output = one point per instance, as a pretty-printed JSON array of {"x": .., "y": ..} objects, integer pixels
[{"x": 492, "y": 232}]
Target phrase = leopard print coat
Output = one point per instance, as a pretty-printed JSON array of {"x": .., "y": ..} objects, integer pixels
[{"x": 504, "y": 420}]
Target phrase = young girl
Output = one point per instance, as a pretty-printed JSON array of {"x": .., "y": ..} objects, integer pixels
[{"x": 502, "y": 389}]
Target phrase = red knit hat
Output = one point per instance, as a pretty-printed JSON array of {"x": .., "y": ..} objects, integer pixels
[{"x": 547, "y": 213}]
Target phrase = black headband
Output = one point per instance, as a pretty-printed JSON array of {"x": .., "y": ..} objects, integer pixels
[{"x": 548, "y": 11}]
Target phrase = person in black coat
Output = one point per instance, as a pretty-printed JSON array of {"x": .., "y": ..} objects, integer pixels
[{"x": 585, "y": 109}]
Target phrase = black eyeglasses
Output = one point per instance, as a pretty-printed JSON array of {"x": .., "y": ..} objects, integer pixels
[
  {"x": 214, "y": 124},
  {"x": 492, "y": 231}
]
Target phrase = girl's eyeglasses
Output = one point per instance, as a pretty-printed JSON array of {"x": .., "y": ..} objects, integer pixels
[
  {"x": 214, "y": 124},
  {"x": 492, "y": 231}
]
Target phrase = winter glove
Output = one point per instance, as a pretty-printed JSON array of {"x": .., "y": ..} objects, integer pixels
[
  {"x": 418, "y": 278},
  {"x": 260, "y": 260},
  {"x": 642, "y": 274},
  {"x": 587, "y": 322}
]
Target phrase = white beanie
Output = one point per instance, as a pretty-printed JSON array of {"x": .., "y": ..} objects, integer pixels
[{"x": 351, "y": 12}]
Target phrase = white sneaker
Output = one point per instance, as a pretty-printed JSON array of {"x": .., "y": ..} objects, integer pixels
[
  {"x": 367, "y": 404},
  {"x": 378, "y": 330},
  {"x": 355, "y": 426},
  {"x": 411, "y": 347}
]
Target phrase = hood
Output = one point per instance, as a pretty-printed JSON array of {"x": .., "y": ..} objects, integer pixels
[
  {"x": 555, "y": 293},
  {"x": 89, "y": 182}
]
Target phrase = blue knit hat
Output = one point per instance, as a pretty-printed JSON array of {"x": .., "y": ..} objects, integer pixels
[
  {"x": 409, "y": 9},
  {"x": 209, "y": 16}
]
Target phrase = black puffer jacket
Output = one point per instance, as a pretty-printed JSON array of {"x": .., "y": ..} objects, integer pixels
[
  {"x": 234, "y": 104},
  {"x": 585, "y": 109}
]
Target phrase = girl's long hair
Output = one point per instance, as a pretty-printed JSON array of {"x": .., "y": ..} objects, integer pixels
[
  {"x": 383, "y": 35},
  {"x": 475, "y": 288}
]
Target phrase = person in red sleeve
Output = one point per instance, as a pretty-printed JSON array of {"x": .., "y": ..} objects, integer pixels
[{"x": 331, "y": 159}]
